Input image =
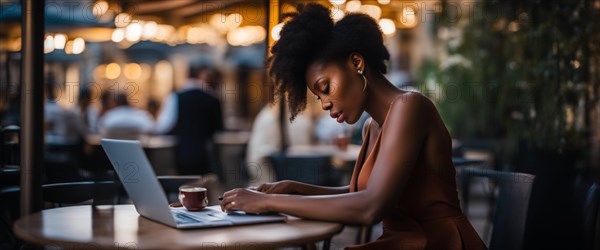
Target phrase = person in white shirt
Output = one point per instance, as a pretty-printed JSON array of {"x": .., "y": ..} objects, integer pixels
[
  {"x": 266, "y": 140},
  {"x": 124, "y": 121},
  {"x": 61, "y": 124}
]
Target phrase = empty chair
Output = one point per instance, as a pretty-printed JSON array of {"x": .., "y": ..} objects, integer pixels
[
  {"x": 588, "y": 200},
  {"x": 514, "y": 190},
  {"x": 229, "y": 163},
  {"x": 9, "y": 212},
  {"x": 101, "y": 192},
  {"x": 9, "y": 146},
  {"x": 312, "y": 169},
  {"x": 62, "y": 161}
]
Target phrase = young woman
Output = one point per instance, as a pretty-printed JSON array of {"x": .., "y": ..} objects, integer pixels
[{"x": 404, "y": 175}]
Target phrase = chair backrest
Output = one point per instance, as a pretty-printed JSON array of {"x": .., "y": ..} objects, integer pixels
[
  {"x": 9, "y": 212},
  {"x": 229, "y": 158},
  {"x": 511, "y": 205},
  {"x": 62, "y": 161},
  {"x": 10, "y": 176},
  {"x": 102, "y": 192},
  {"x": 588, "y": 200},
  {"x": 313, "y": 169},
  {"x": 9, "y": 145}
]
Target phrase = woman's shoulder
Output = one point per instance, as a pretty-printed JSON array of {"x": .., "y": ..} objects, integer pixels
[
  {"x": 409, "y": 102},
  {"x": 411, "y": 108},
  {"x": 410, "y": 98}
]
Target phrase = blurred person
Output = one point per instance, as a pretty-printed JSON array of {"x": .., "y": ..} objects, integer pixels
[
  {"x": 61, "y": 124},
  {"x": 124, "y": 121},
  {"x": 265, "y": 139},
  {"x": 87, "y": 113},
  {"x": 193, "y": 115},
  {"x": 404, "y": 175},
  {"x": 107, "y": 102},
  {"x": 153, "y": 107}
]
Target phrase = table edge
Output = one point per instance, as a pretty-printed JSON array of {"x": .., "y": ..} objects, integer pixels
[{"x": 40, "y": 241}]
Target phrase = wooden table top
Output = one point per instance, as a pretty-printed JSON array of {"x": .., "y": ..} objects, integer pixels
[{"x": 120, "y": 227}]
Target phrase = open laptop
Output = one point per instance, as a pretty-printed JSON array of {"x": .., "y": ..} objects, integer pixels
[{"x": 142, "y": 186}]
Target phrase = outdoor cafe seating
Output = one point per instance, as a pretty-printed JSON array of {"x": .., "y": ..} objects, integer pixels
[{"x": 516, "y": 86}]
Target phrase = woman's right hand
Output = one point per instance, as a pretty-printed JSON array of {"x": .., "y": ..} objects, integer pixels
[{"x": 280, "y": 187}]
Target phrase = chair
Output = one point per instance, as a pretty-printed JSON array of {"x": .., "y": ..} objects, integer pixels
[
  {"x": 514, "y": 191},
  {"x": 229, "y": 160},
  {"x": 10, "y": 176},
  {"x": 101, "y": 192},
  {"x": 9, "y": 146},
  {"x": 9, "y": 212},
  {"x": 62, "y": 161},
  {"x": 311, "y": 169},
  {"x": 588, "y": 200}
]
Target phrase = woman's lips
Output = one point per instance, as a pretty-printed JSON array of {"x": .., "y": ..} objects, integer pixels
[{"x": 340, "y": 118}]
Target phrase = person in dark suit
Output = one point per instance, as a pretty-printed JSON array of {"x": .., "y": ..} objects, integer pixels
[{"x": 193, "y": 115}]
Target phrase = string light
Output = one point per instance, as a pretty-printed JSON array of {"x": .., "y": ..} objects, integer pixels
[
  {"x": 78, "y": 46},
  {"x": 387, "y": 26},
  {"x": 60, "y": 41}
]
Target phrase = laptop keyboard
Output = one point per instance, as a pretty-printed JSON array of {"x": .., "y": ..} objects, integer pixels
[{"x": 185, "y": 219}]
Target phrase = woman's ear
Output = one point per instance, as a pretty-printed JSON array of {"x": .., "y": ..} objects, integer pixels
[{"x": 357, "y": 61}]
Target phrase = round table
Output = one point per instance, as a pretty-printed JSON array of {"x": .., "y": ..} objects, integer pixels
[{"x": 121, "y": 227}]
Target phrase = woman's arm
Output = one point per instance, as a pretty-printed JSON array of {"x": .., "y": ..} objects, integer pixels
[
  {"x": 405, "y": 128},
  {"x": 295, "y": 187},
  {"x": 309, "y": 189}
]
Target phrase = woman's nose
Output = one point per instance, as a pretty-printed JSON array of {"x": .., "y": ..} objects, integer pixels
[{"x": 326, "y": 105}]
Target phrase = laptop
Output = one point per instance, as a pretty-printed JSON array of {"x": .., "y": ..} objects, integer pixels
[{"x": 142, "y": 186}]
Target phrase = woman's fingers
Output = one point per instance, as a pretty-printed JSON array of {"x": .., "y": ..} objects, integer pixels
[
  {"x": 226, "y": 198},
  {"x": 229, "y": 200},
  {"x": 248, "y": 200}
]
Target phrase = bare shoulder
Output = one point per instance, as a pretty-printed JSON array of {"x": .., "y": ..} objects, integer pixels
[{"x": 411, "y": 104}]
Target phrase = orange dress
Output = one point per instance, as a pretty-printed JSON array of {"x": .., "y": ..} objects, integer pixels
[{"x": 427, "y": 214}]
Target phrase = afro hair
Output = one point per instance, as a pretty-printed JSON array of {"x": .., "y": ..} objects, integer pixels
[{"x": 310, "y": 35}]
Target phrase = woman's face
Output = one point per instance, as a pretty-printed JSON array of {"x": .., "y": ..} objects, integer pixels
[{"x": 339, "y": 88}]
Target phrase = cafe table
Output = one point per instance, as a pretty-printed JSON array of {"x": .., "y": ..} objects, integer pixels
[{"x": 121, "y": 227}]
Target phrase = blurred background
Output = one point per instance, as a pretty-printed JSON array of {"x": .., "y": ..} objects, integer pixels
[{"x": 516, "y": 82}]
